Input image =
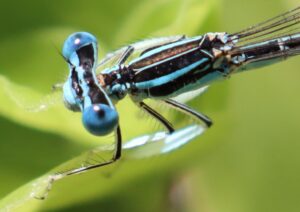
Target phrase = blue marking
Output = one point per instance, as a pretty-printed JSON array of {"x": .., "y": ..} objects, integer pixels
[
  {"x": 199, "y": 83},
  {"x": 74, "y": 59},
  {"x": 169, "y": 77},
  {"x": 139, "y": 71},
  {"x": 162, "y": 48}
]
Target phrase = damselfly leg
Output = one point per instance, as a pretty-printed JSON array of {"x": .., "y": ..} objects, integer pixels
[
  {"x": 157, "y": 116},
  {"x": 63, "y": 173},
  {"x": 116, "y": 156},
  {"x": 179, "y": 107},
  {"x": 189, "y": 111}
]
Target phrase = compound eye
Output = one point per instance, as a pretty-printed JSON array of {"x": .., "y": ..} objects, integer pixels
[
  {"x": 100, "y": 119},
  {"x": 77, "y": 41}
]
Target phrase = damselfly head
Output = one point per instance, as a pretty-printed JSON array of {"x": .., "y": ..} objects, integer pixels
[
  {"x": 80, "y": 49},
  {"x": 100, "y": 119}
]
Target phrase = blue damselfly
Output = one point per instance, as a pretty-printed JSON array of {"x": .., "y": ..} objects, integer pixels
[{"x": 165, "y": 68}]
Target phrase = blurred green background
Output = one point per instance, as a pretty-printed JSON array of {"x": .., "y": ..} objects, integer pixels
[{"x": 248, "y": 161}]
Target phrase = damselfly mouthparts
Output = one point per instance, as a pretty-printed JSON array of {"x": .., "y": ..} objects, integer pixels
[{"x": 165, "y": 68}]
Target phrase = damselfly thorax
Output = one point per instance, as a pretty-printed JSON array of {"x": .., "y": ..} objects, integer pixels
[{"x": 171, "y": 69}]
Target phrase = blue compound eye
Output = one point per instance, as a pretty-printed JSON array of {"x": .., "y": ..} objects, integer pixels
[
  {"x": 77, "y": 41},
  {"x": 100, "y": 119}
]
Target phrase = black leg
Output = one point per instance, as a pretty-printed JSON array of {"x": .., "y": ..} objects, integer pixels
[
  {"x": 118, "y": 144},
  {"x": 60, "y": 175},
  {"x": 125, "y": 55},
  {"x": 157, "y": 116},
  {"x": 189, "y": 111},
  {"x": 116, "y": 156}
]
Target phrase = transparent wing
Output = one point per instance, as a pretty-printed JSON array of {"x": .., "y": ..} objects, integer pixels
[
  {"x": 141, "y": 147},
  {"x": 285, "y": 24},
  {"x": 161, "y": 142},
  {"x": 188, "y": 96},
  {"x": 139, "y": 47}
]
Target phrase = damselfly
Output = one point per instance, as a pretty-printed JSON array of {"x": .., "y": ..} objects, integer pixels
[{"x": 165, "y": 68}]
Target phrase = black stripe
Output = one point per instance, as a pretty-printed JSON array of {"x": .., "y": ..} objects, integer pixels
[
  {"x": 94, "y": 91},
  {"x": 167, "y": 67},
  {"x": 158, "y": 116},
  {"x": 75, "y": 84},
  {"x": 158, "y": 56},
  {"x": 171, "y": 87}
]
